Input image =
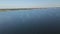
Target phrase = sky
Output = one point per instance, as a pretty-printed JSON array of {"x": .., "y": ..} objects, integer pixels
[{"x": 29, "y": 3}]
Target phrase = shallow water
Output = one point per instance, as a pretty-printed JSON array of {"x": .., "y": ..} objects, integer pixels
[{"x": 30, "y": 21}]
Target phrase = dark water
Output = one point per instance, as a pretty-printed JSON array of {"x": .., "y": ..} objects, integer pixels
[{"x": 30, "y": 21}]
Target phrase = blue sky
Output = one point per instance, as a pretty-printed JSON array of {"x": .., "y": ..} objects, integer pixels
[{"x": 28, "y": 3}]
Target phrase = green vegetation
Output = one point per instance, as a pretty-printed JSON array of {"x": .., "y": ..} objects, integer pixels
[{"x": 3, "y": 10}]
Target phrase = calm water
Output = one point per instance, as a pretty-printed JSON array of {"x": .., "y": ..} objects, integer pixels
[{"x": 30, "y": 21}]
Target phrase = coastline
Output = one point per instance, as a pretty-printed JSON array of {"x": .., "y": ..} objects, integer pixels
[{"x": 6, "y": 9}]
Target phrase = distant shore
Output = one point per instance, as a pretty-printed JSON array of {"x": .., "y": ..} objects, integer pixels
[
  {"x": 24, "y": 8},
  {"x": 18, "y": 9}
]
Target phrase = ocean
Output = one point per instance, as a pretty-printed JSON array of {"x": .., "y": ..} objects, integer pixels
[{"x": 30, "y": 21}]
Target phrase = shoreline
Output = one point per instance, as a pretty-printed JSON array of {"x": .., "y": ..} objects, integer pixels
[{"x": 25, "y": 8}]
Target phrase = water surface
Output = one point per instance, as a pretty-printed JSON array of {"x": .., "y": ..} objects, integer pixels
[{"x": 30, "y": 21}]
